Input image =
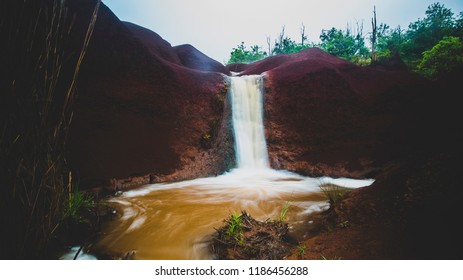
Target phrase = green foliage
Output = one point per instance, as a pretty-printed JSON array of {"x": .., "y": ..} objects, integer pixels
[
  {"x": 287, "y": 46},
  {"x": 300, "y": 250},
  {"x": 361, "y": 61},
  {"x": 459, "y": 26},
  {"x": 241, "y": 54},
  {"x": 206, "y": 141},
  {"x": 410, "y": 45},
  {"x": 444, "y": 57},
  {"x": 284, "y": 210},
  {"x": 284, "y": 45},
  {"x": 243, "y": 237},
  {"x": 77, "y": 202},
  {"x": 343, "y": 44},
  {"x": 389, "y": 42},
  {"x": 423, "y": 34},
  {"x": 420, "y": 38},
  {"x": 344, "y": 224},
  {"x": 335, "y": 42},
  {"x": 234, "y": 227}
]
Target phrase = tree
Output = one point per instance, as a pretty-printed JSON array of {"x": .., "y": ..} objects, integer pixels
[
  {"x": 373, "y": 35},
  {"x": 362, "y": 52},
  {"x": 303, "y": 36},
  {"x": 425, "y": 33},
  {"x": 241, "y": 55},
  {"x": 459, "y": 26},
  {"x": 344, "y": 44},
  {"x": 269, "y": 45},
  {"x": 278, "y": 46},
  {"x": 285, "y": 45},
  {"x": 388, "y": 42},
  {"x": 444, "y": 57}
]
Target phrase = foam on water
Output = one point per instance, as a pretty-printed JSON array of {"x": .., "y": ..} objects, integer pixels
[{"x": 175, "y": 220}]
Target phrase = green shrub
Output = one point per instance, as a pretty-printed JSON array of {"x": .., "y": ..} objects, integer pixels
[{"x": 442, "y": 59}]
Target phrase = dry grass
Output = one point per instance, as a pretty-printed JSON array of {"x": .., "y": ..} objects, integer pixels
[{"x": 333, "y": 193}]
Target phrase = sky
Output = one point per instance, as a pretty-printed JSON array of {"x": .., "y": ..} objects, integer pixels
[{"x": 215, "y": 27}]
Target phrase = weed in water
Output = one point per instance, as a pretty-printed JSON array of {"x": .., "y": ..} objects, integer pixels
[
  {"x": 283, "y": 212},
  {"x": 235, "y": 227},
  {"x": 333, "y": 193}
]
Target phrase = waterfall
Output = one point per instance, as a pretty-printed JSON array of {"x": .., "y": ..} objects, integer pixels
[
  {"x": 246, "y": 95},
  {"x": 185, "y": 213}
]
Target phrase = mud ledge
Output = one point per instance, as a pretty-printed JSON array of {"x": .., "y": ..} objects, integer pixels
[{"x": 249, "y": 239}]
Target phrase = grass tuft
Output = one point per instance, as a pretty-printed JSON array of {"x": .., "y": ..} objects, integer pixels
[
  {"x": 284, "y": 210},
  {"x": 300, "y": 250},
  {"x": 234, "y": 227},
  {"x": 333, "y": 193}
]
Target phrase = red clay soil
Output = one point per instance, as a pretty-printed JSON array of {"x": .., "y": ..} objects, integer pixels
[
  {"x": 236, "y": 67},
  {"x": 325, "y": 116},
  {"x": 192, "y": 58},
  {"x": 410, "y": 212},
  {"x": 142, "y": 107},
  {"x": 153, "y": 112}
]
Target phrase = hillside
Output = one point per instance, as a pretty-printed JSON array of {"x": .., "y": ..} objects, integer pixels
[
  {"x": 142, "y": 105},
  {"x": 146, "y": 111}
]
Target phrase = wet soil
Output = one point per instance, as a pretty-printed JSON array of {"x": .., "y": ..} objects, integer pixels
[{"x": 261, "y": 240}]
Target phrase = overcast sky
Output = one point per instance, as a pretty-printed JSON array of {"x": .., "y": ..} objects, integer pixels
[{"x": 215, "y": 27}]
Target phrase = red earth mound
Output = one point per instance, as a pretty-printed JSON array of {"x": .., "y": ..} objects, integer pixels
[
  {"x": 148, "y": 109},
  {"x": 327, "y": 116},
  {"x": 147, "y": 112},
  {"x": 192, "y": 58},
  {"x": 139, "y": 110},
  {"x": 236, "y": 67}
]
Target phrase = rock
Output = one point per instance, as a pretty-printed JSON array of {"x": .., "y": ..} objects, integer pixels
[
  {"x": 142, "y": 105},
  {"x": 326, "y": 116}
]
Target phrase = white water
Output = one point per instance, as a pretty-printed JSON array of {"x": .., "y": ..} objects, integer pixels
[
  {"x": 71, "y": 253},
  {"x": 172, "y": 221},
  {"x": 253, "y": 176},
  {"x": 248, "y": 123}
]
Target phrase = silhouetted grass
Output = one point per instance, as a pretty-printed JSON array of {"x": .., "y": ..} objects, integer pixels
[{"x": 38, "y": 83}]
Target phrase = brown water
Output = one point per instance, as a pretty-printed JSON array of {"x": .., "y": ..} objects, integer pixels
[{"x": 176, "y": 221}]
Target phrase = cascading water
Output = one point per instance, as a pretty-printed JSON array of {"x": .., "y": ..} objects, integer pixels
[
  {"x": 248, "y": 125},
  {"x": 176, "y": 220}
]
